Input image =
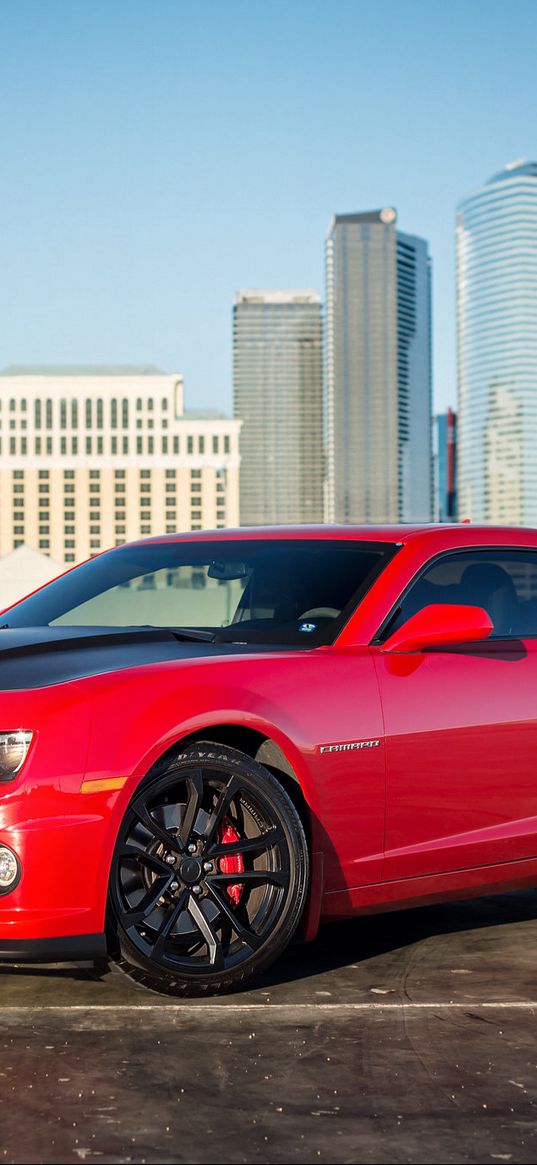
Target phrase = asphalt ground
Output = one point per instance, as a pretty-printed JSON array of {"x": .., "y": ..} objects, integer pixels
[{"x": 408, "y": 1037}]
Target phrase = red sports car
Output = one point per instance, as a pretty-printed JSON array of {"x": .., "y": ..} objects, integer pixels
[{"x": 208, "y": 741}]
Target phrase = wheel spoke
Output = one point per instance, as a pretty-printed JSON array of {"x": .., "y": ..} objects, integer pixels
[
  {"x": 169, "y": 840},
  {"x": 222, "y": 805},
  {"x": 147, "y": 904},
  {"x": 216, "y": 954},
  {"x": 168, "y": 923},
  {"x": 243, "y": 932},
  {"x": 249, "y": 878},
  {"x": 247, "y": 845},
  {"x": 194, "y": 784},
  {"x": 150, "y": 861}
]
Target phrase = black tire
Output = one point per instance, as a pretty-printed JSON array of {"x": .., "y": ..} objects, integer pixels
[{"x": 182, "y": 928}]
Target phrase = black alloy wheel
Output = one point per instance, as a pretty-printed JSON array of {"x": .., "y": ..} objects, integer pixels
[{"x": 209, "y": 875}]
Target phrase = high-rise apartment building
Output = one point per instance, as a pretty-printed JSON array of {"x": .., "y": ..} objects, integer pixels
[
  {"x": 497, "y": 348},
  {"x": 277, "y": 353},
  {"x": 446, "y": 466},
  {"x": 93, "y": 457},
  {"x": 378, "y": 384}
]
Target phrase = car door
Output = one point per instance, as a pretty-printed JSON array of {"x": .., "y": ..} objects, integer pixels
[{"x": 461, "y": 723}]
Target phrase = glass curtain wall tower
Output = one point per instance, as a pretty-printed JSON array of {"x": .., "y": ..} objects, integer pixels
[
  {"x": 277, "y": 351},
  {"x": 378, "y": 383},
  {"x": 497, "y": 348}
]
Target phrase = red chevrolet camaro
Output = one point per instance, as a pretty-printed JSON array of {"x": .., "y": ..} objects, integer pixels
[{"x": 210, "y": 741}]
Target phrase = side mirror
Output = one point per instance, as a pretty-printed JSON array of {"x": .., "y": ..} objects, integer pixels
[{"x": 439, "y": 625}]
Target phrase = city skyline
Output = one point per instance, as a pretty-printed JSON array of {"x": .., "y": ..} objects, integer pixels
[{"x": 146, "y": 177}]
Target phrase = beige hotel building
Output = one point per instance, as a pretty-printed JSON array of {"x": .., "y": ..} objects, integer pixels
[{"x": 93, "y": 457}]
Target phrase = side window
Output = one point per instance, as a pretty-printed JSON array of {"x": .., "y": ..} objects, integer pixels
[{"x": 504, "y": 582}]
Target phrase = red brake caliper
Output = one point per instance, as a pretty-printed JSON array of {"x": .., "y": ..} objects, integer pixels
[{"x": 233, "y": 865}]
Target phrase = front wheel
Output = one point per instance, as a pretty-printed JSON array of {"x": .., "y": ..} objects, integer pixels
[{"x": 209, "y": 875}]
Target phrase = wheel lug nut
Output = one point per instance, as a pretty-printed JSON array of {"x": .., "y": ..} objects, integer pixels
[
  {"x": 170, "y": 858},
  {"x": 196, "y": 890},
  {"x": 191, "y": 848},
  {"x": 174, "y": 885},
  {"x": 207, "y": 866}
]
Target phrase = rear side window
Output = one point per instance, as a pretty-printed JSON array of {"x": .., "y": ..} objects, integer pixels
[{"x": 503, "y": 582}]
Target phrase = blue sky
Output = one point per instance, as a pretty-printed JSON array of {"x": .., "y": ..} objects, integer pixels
[{"x": 157, "y": 155}]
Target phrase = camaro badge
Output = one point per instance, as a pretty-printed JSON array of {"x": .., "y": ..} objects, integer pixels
[{"x": 350, "y": 747}]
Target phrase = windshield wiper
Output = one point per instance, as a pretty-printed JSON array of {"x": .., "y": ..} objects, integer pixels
[{"x": 192, "y": 633}]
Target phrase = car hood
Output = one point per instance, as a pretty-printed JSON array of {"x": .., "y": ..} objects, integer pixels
[{"x": 36, "y": 657}]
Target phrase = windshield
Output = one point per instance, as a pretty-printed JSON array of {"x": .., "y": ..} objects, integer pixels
[{"x": 264, "y": 591}]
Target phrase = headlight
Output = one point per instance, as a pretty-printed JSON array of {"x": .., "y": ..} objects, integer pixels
[{"x": 13, "y": 752}]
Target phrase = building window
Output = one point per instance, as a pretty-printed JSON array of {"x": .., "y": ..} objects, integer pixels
[
  {"x": 215, "y": 444},
  {"x": 88, "y": 444},
  {"x": 88, "y": 414},
  {"x": 95, "y": 529},
  {"x": 68, "y": 529},
  {"x": 68, "y": 488},
  {"x": 37, "y": 414},
  {"x": 23, "y": 404},
  {"x": 120, "y": 487},
  {"x": 99, "y": 445},
  {"x": 63, "y": 445},
  {"x": 119, "y": 474},
  {"x": 164, "y": 444},
  {"x": 114, "y": 444},
  {"x": 38, "y": 446},
  {"x": 95, "y": 474},
  {"x": 220, "y": 513},
  {"x": 99, "y": 413},
  {"x": 170, "y": 473},
  {"x": 43, "y": 474},
  {"x": 145, "y": 515},
  {"x": 95, "y": 487},
  {"x": 12, "y": 447},
  {"x": 113, "y": 414},
  {"x": 145, "y": 486},
  {"x": 139, "y": 403},
  {"x": 44, "y": 529},
  {"x": 44, "y": 515},
  {"x": 68, "y": 474},
  {"x": 176, "y": 444},
  {"x": 201, "y": 444},
  {"x": 120, "y": 515},
  {"x": 171, "y": 514},
  {"x": 120, "y": 529},
  {"x": 150, "y": 402},
  {"x": 44, "y": 544},
  {"x": 68, "y": 543},
  {"x": 195, "y": 514},
  {"x": 190, "y": 445},
  {"x": 125, "y": 444},
  {"x": 48, "y": 414},
  {"x": 12, "y": 405},
  {"x": 74, "y": 414},
  {"x": 195, "y": 472},
  {"x": 69, "y": 558},
  {"x": 145, "y": 529},
  {"x": 49, "y": 446},
  {"x": 150, "y": 444},
  {"x": 165, "y": 403},
  {"x": 43, "y": 488},
  {"x": 95, "y": 543},
  {"x": 74, "y": 445},
  {"x": 138, "y": 444},
  {"x": 18, "y": 529},
  {"x": 195, "y": 487},
  {"x": 63, "y": 413},
  {"x": 125, "y": 413}
]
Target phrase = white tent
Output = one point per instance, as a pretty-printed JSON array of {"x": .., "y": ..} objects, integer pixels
[{"x": 22, "y": 571}]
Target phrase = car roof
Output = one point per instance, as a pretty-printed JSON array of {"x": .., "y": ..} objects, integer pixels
[{"x": 396, "y": 533}]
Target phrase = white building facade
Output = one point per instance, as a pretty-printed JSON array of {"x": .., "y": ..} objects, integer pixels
[{"x": 91, "y": 458}]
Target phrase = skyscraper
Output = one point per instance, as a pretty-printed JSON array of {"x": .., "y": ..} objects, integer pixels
[
  {"x": 378, "y": 371},
  {"x": 497, "y": 348},
  {"x": 277, "y": 349},
  {"x": 446, "y": 466}
]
